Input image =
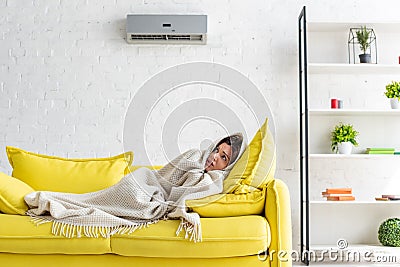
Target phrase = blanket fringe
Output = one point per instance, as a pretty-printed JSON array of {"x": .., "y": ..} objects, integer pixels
[
  {"x": 70, "y": 230},
  {"x": 190, "y": 229}
]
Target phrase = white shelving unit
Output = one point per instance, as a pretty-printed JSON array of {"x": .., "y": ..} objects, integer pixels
[{"x": 358, "y": 221}]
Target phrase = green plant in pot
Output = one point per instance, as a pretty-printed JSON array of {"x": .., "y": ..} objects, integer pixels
[
  {"x": 364, "y": 41},
  {"x": 393, "y": 93},
  {"x": 343, "y": 138},
  {"x": 389, "y": 232}
]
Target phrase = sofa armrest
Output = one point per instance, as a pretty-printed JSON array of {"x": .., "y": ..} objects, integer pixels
[{"x": 278, "y": 214}]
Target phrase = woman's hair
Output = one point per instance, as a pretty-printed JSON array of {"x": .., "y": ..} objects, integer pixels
[{"x": 235, "y": 141}]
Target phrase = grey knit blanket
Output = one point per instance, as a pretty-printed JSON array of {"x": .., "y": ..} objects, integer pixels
[{"x": 139, "y": 199}]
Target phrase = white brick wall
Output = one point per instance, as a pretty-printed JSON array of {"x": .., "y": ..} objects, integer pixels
[{"x": 67, "y": 74}]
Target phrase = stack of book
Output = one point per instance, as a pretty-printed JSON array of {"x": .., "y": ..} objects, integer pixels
[
  {"x": 338, "y": 194},
  {"x": 376, "y": 150}
]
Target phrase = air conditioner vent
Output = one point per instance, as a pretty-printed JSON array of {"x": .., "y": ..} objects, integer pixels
[
  {"x": 166, "y": 29},
  {"x": 138, "y": 38}
]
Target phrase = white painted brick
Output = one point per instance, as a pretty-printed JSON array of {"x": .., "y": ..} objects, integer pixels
[
  {"x": 99, "y": 70},
  {"x": 151, "y": 50},
  {"x": 90, "y": 47},
  {"x": 124, "y": 74},
  {"x": 113, "y": 61},
  {"x": 7, "y": 44},
  {"x": 60, "y": 60},
  {"x": 4, "y": 53},
  {"x": 5, "y": 103},
  {"x": 73, "y": 35},
  {"x": 29, "y": 62},
  {"x": 59, "y": 127},
  {"x": 84, "y": 62},
  {"x": 19, "y": 4}
]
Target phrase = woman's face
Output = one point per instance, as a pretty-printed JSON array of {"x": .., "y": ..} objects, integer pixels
[{"x": 219, "y": 158}]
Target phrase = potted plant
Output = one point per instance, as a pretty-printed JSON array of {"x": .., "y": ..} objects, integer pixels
[
  {"x": 343, "y": 138},
  {"x": 363, "y": 40},
  {"x": 389, "y": 232},
  {"x": 393, "y": 93}
]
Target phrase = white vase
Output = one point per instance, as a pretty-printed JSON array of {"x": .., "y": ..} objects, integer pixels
[
  {"x": 394, "y": 103},
  {"x": 345, "y": 148}
]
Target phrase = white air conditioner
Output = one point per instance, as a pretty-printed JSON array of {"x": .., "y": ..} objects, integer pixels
[{"x": 166, "y": 29}]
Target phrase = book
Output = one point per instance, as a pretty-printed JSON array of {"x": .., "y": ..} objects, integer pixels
[
  {"x": 324, "y": 194},
  {"x": 380, "y": 152},
  {"x": 391, "y": 197},
  {"x": 379, "y": 149},
  {"x": 338, "y": 191},
  {"x": 382, "y": 199},
  {"x": 341, "y": 198}
]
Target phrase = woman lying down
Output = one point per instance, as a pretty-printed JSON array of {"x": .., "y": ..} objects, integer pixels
[{"x": 141, "y": 198}]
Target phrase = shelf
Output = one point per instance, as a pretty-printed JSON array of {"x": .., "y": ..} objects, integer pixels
[
  {"x": 375, "y": 249},
  {"x": 354, "y": 202},
  {"x": 354, "y": 112},
  {"x": 351, "y": 69},
  {"x": 326, "y": 26},
  {"x": 352, "y": 156}
]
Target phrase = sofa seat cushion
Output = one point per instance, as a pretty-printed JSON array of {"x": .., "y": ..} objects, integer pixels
[
  {"x": 19, "y": 235},
  {"x": 222, "y": 237}
]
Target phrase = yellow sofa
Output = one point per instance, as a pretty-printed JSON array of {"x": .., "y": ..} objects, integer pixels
[
  {"x": 227, "y": 241},
  {"x": 239, "y": 229}
]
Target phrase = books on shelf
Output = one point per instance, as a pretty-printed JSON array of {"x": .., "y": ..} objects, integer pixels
[
  {"x": 388, "y": 198},
  {"x": 338, "y": 194}
]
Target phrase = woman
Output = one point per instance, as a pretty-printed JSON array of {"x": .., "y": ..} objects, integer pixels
[
  {"x": 142, "y": 197},
  {"x": 225, "y": 151}
]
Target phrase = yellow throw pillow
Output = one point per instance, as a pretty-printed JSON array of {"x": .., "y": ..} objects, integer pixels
[
  {"x": 48, "y": 173},
  {"x": 257, "y": 164},
  {"x": 12, "y": 192},
  {"x": 227, "y": 205}
]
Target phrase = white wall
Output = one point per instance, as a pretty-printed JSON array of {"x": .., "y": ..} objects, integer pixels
[{"x": 67, "y": 75}]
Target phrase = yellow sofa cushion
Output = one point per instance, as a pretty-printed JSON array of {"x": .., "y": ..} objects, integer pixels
[
  {"x": 58, "y": 174},
  {"x": 226, "y": 205},
  {"x": 256, "y": 166},
  {"x": 12, "y": 192},
  {"x": 222, "y": 237},
  {"x": 19, "y": 235},
  {"x": 246, "y": 235}
]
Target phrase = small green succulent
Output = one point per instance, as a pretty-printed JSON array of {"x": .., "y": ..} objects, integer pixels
[
  {"x": 343, "y": 133},
  {"x": 393, "y": 90},
  {"x": 389, "y": 232}
]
